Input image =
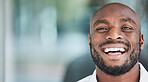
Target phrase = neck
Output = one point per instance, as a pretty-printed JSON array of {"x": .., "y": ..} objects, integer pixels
[{"x": 131, "y": 76}]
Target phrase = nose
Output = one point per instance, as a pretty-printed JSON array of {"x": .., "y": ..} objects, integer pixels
[{"x": 114, "y": 34}]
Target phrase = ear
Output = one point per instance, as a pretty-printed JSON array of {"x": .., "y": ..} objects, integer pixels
[
  {"x": 89, "y": 39},
  {"x": 142, "y": 42}
]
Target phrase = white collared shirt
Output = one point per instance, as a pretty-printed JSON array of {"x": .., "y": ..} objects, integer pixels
[{"x": 143, "y": 76}]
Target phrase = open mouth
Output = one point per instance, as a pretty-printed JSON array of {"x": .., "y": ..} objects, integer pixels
[{"x": 114, "y": 50}]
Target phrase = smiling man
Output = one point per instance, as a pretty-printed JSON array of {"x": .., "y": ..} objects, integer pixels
[{"x": 115, "y": 42}]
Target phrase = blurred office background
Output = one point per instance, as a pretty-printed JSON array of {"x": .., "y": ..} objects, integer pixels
[{"x": 47, "y": 40}]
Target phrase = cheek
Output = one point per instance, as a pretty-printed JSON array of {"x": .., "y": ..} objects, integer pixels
[
  {"x": 97, "y": 38},
  {"x": 133, "y": 39}
]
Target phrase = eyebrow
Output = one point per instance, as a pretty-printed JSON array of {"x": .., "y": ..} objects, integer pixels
[
  {"x": 104, "y": 21},
  {"x": 100, "y": 21},
  {"x": 128, "y": 20}
]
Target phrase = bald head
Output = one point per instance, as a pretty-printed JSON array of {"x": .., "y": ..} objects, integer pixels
[{"x": 116, "y": 10}]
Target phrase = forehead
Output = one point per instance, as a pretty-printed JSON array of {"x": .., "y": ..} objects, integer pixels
[{"x": 113, "y": 12}]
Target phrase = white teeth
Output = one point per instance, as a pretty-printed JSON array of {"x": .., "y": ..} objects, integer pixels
[{"x": 114, "y": 49}]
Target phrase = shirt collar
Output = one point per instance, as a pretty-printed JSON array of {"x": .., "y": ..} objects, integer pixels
[
  {"x": 94, "y": 78},
  {"x": 143, "y": 74}
]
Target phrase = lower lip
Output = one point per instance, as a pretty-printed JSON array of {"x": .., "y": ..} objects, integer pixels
[{"x": 115, "y": 55}]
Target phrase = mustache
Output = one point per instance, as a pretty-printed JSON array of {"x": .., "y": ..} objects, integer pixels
[{"x": 114, "y": 42}]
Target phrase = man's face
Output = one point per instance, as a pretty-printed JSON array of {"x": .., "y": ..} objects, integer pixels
[{"x": 115, "y": 40}]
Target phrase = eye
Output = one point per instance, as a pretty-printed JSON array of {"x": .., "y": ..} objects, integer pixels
[
  {"x": 102, "y": 29},
  {"x": 127, "y": 29}
]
